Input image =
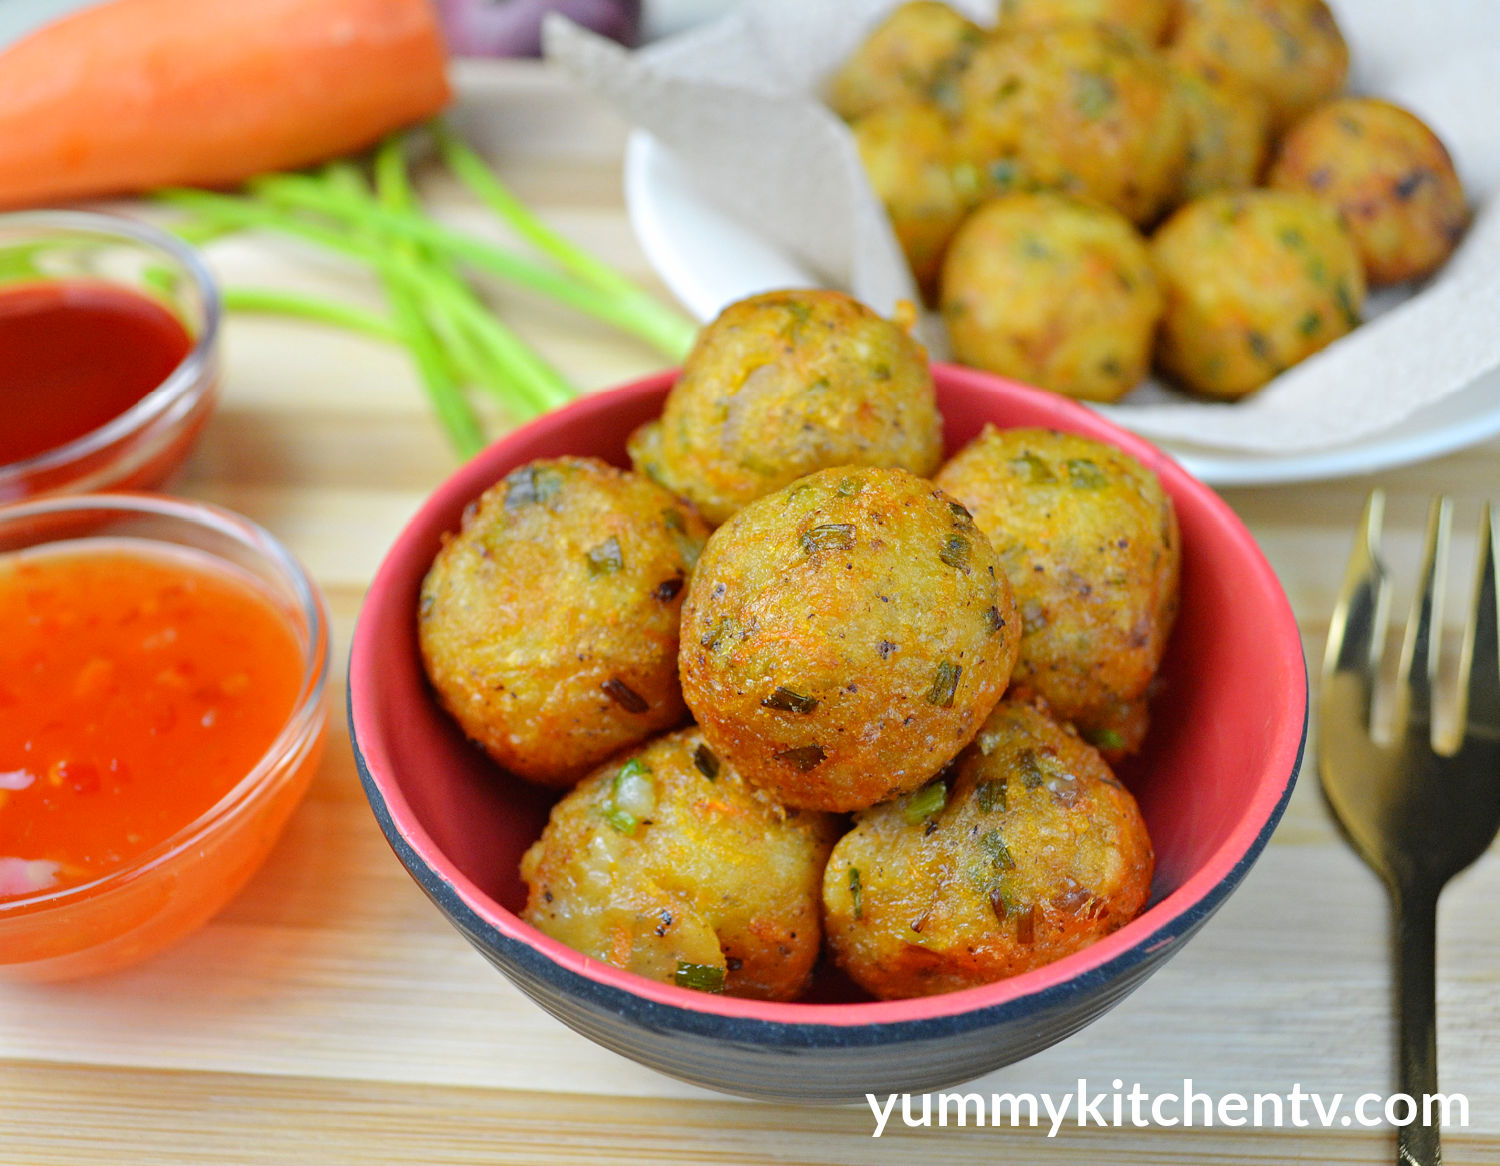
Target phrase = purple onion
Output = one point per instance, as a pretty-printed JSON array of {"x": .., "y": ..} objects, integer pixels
[{"x": 513, "y": 28}]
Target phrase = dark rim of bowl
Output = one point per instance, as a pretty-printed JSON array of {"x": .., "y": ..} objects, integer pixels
[
  {"x": 665, "y": 1006},
  {"x": 301, "y": 723},
  {"x": 191, "y": 373}
]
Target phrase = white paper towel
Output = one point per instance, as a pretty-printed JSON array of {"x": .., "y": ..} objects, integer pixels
[{"x": 736, "y": 101}]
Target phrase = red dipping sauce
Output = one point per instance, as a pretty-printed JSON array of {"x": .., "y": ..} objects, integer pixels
[{"x": 74, "y": 355}]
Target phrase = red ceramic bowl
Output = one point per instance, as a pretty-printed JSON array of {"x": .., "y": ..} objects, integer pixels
[{"x": 1225, "y": 745}]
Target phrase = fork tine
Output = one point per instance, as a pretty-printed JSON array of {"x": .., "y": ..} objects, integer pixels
[
  {"x": 1479, "y": 666},
  {"x": 1419, "y": 648},
  {"x": 1356, "y": 634}
]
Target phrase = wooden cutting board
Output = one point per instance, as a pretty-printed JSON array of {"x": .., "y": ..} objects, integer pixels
[{"x": 330, "y": 1014}]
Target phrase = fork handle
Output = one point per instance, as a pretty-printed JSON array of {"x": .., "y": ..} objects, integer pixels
[{"x": 1417, "y": 1144}]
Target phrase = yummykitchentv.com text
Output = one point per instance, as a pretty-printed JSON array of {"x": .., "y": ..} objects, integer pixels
[{"x": 1124, "y": 1106}]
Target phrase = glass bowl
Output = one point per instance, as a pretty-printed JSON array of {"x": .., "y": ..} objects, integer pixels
[
  {"x": 161, "y": 895},
  {"x": 140, "y": 447}
]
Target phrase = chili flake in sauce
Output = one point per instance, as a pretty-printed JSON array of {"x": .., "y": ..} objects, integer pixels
[{"x": 137, "y": 687}]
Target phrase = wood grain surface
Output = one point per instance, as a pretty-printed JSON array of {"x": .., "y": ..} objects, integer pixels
[{"x": 330, "y": 1014}]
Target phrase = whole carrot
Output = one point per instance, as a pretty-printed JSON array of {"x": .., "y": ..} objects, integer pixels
[{"x": 136, "y": 94}]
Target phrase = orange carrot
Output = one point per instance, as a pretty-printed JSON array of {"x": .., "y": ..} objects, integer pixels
[{"x": 135, "y": 94}]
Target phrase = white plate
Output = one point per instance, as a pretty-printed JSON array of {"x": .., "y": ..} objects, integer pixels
[{"x": 709, "y": 259}]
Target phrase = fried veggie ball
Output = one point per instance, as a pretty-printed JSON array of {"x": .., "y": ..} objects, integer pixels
[
  {"x": 915, "y": 53},
  {"x": 909, "y": 156},
  {"x": 843, "y": 638},
  {"x": 1054, "y": 292},
  {"x": 785, "y": 383},
  {"x": 1026, "y": 850},
  {"x": 1228, "y": 129},
  {"x": 1291, "y": 52},
  {"x": 1254, "y": 281},
  {"x": 1089, "y": 540},
  {"x": 548, "y": 625},
  {"x": 667, "y": 864},
  {"x": 1081, "y": 108},
  {"x": 1144, "y": 19},
  {"x": 1390, "y": 177}
]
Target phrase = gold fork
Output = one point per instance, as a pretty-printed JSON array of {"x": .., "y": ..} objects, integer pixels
[{"x": 1417, "y": 813}]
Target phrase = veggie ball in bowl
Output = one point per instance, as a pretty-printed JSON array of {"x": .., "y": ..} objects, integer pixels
[
  {"x": 667, "y": 864},
  {"x": 844, "y": 638},
  {"x": 548, "y": 624},
  {"x": 1089, "y": 539},
  {"x": 1026, "y": 849},
  {"x": 786, "y": 383}
]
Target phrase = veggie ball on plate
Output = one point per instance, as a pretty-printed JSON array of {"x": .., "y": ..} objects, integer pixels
[
  {"x": 1228, "y": 131},
  {"x": 1081, "y": 108},
  {"x": 1390, "y": 177},
  {"x": 915, "y": 53},
  {"x": 548, "y": 624},
  {"x": 665, "y": 863},
  {"x": 785, "y": 383},
  {"x": 909, "y": 157},
  {"x": 1291, "y": 52},
  {"x": 1089, "y": 540},
  {"x": 1054, "y": 292},
  {"x": 1144, "y": 19},
  {"x": 1253, "y": 282},
  {"x": 1027, "y": 849},
  {"x": 843, "y": 638}
]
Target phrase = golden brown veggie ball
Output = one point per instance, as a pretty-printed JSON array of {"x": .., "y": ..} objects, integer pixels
[
  {"x": 1228, "y": 129},
  {"x": 1254, "y": 282},
  {"x": 1144, "y": 19},
  {"x": 666, "y": 864},
  {"x": 1054, "y": 292},
  {"x": 915, "y": 53},
  {"x": 909, "y": 156},
  {"x": 1089, "y": 540},
  {"x": 845, "y": 637},
  {"x": 1289, "y": 51},
  {"x": 1081, "y": 108},
  {"x": 1387, "y": 174},
  {"x": 548, "y": 625},
  {"x": 785, "y": 383},
  {"x": 1025, "y": 851}
]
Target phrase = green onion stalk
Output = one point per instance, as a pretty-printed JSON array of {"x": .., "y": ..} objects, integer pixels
[
  {"x": 454, "y": 340},
  {"x": 436, "y": 370},
  {"x": 656, "y": 325},
  {"x": 539, "y": 386}
]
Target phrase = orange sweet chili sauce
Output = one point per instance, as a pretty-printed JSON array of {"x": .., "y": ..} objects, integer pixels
[{"x": 138, "y": 686}]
